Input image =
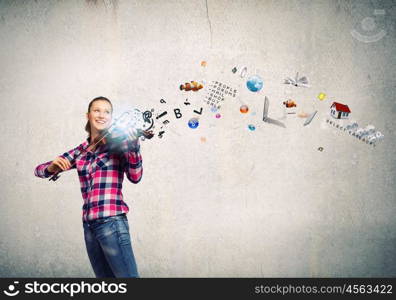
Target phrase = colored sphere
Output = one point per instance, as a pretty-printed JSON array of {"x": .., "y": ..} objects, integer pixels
[
  {"x": 193, "y": 123},
  {"x": 321, "y": 96},
  {"x": 254, "y": 83},
  {"x": 244, "y": 109},
  {"x": 218, "y": 116},
  {"x": 251, "y": 127}
]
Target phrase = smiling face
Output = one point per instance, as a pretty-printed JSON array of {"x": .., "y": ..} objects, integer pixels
[{"x": 99, "y": 116}]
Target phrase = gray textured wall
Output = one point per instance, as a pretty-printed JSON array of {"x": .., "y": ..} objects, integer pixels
[{"x": 262, "y": 203}]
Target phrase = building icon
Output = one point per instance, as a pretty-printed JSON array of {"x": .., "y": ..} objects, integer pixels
[{"x": 339, "y": 111}]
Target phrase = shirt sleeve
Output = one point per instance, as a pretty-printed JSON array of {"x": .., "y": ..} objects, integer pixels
[
  {"x": 42, "y": 169},
  {"x": 133, "y": 158}
]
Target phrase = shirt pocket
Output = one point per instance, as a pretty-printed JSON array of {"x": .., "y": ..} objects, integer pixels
[{"x": 102, "y": 161}]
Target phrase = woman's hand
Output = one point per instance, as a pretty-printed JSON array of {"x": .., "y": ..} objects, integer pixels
[
  {"x": 59, "y": 164},
  {"x": 148, "y": 134}
]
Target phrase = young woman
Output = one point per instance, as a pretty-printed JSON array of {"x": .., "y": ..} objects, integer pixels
[{"x": 101, "y": 173}]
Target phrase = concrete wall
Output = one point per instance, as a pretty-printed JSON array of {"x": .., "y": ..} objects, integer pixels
[{"x": 244, "y": 203}]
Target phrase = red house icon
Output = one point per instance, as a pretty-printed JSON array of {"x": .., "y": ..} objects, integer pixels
[{"x": 339, "y": 111}]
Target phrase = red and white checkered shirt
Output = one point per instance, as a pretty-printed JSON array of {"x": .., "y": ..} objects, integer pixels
[{"x": 101, "y": 174}]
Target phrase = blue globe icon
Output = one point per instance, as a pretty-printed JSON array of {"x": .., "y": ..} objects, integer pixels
[
  {"x": 193, "y": 123},
  {"x": 254, "y": 83}
]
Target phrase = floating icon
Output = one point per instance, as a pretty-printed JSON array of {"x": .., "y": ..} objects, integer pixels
[
  {"x": 290, "y": 103},
  {"x": 366, "y": 134},
  {"x": 147, "y": 117},
  {"x": 213, "y": 109},
  {"x": 193, "y": 86},
  {"x": 161, "y": 115},
  {"x": 254, "y": 83},
  {"x": 310, "y": 118},
  {"x": 198, "y": 112},
  {"x": 251, "y": 127},
  {"x": 321, "y": 96},
  {"x": 193, "y": 123},
  {"x": 339, "y": 110},
  {"x": 243, "y": 72},
  {"x": 160, "y": 134},
  {"x": 302, "y": 115},
  {"x": 297, "y": 81},
  {"x": 265, "y": 115},
  {"x": 244, "y": 109}
]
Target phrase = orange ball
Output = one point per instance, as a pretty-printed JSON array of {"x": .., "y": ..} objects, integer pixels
[{"x": 244, "y": 109}]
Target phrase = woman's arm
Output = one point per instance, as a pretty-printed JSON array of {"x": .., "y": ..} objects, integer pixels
[
  {"x": 133, "y": 160},
  {"x": 62, "y": 163},
  {"x": 42, "y": 170}
]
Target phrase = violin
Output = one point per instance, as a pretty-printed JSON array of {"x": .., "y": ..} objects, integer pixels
[
  {"x": 115, "y": 134},
  {"x": 115, "y": 137},
  {"x": 111, "y": 140}
]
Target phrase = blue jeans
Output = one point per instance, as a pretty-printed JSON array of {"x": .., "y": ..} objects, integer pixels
[{"x": 109, "y": 247}]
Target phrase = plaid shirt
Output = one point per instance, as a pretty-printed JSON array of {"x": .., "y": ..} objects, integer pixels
[{"x": 101, "y": 174}]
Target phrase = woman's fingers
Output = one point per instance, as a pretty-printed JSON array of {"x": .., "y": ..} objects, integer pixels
[
  {"x": 59, "y": 165},
  {"x": 68, "y": 163},
  {"x": 64, "y": 167},
  {"x": 63, "y": 163},
  {"x": 54, "y": 167}
]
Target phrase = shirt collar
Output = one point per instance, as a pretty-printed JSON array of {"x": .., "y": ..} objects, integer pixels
[{"x": 85, "y": 145}]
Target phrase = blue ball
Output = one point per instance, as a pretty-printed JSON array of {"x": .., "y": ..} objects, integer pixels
[
  {"x": 193, "y": 123},
  {"x": 254, "y": 83}
]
